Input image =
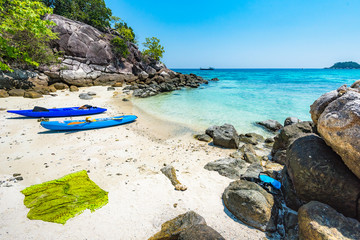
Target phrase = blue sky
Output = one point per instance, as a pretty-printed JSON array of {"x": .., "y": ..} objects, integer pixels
[{"x": 247, "y": 33}]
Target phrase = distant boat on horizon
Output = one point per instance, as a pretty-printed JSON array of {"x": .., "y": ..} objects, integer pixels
[{"x": 209, "y": 68}]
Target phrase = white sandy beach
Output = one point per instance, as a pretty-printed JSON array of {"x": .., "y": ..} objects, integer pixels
[{"x": 123, "y": 160}]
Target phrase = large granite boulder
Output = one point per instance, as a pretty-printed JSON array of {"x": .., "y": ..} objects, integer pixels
[
  {"x": 339, "y": 125},
  {"x": 81, "y": 40},
  {"x": 224, "y": 136},
  {"x": 319, "y": 174},
  {"x": 318, "y": 221},
  {"x": 290, "y": 133},
  {"x": 171, "y": 229},
  {"x": 251, "y": 204},
  {"x": 317, "y": 108},
  {"x": 200, "y": 232}
]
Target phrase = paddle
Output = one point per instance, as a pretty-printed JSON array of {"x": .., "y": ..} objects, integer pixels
[{"x": 73, "y": 123}]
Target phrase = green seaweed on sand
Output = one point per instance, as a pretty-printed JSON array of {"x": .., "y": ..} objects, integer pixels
[{"x": 59, "y": 200}]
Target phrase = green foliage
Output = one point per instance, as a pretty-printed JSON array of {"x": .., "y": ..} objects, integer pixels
[
  {"x": 154, "y": 49},
  {"x": 346, "y": 65},
  {"x": 126, "y": 32},
  {"x": 59, "y": 200},
  {"x": 92, "y": 12},
  {"x": 24, "y": 36},
  {"x": 119, "y": 47}
]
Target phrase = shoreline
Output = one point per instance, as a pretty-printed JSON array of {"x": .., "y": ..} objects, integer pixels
[{"x": 124, "y": 160}]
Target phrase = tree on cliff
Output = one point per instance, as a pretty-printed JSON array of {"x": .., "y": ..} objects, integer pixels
[
  {"x": 24, "y": 37},
  {"x": 153, "y": 48},
  {"x": 126, "y": 32},
  {"x": 92, "y": 12}
]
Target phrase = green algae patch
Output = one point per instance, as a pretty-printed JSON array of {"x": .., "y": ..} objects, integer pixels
[{"x": 59, "y": 200}]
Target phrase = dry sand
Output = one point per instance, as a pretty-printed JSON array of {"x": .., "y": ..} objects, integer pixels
[{"x": 123, "y": 160}]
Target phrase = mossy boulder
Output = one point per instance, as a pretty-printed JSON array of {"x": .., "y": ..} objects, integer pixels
[
  {"x": 32, "y": 94},
  {"x": 16, "y": 92}
]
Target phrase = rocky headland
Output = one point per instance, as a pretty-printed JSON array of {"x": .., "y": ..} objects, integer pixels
[
  {"x": 88, "y": 60},
  {"x": 317, "y": 163}
]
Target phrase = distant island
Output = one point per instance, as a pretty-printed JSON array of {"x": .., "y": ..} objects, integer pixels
[{"x": 345, "y": 65}]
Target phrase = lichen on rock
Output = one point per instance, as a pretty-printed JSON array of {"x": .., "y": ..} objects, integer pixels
[{"x": 59, "y": 200}]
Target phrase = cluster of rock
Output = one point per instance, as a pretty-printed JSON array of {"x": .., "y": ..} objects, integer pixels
[
  {"x": 148, "y": 85},
  {"x": 88, "y": 60},
  {"x": 316, "y": 161}
]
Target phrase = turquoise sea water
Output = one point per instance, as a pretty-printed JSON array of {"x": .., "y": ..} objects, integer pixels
[{"x": 243, "y": 96}]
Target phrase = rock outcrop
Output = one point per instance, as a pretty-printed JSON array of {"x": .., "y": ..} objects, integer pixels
[
  {"x": 251, "y": 204},
  {"x": 318, "y": 221},
  {"x": 88, "y": 60},
  {"x": 339, "y": 125},
  {"x": 224, "y": 136},
  {"x": 319, "y": 174}
]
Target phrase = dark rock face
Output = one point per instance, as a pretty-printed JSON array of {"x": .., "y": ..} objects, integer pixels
[
  {"x": 251, "y": 204},
  {"x": 81, "y": 40},
  {"x": 172, "y": 228},
  {"x": 224, "y": 136},
  {"x": 289, "y": 133},
  {"x": 319, "y": 174},
  {"x": 287, "y": 188},
  {"x": 319, "y": 221},
  {"x": 291, "y": 225},
  {"x": 271, "y": 125},
  {"x": 200, "y": 232}
]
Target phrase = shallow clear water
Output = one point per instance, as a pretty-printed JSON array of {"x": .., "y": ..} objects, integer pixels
[{"x": 243, "y": 96}]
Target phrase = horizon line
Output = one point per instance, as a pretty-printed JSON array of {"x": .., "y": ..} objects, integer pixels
[{"x": 256, "y": 68}]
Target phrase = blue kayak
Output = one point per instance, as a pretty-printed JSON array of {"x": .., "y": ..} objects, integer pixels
[
  {"x": 58, "y": 112},
  {"x": 88, "y": 123}
]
